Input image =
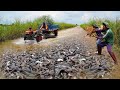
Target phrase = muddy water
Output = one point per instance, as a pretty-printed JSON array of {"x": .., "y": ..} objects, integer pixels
[
  {"x": 13, "y": 44},
  {"x": 20, "y": 45}
]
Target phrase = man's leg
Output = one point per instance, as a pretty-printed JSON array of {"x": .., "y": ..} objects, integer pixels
[
  {"x": 100, "y": 45},
  {"x": 109, "y": 49},
  {"x": 99, "y": 48},
  {"x": 98, "y": 41}
]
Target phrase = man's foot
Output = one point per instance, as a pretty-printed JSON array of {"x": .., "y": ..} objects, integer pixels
[
  {"x": 98, "y": 53},
  {"x": 116, "y": 63}
]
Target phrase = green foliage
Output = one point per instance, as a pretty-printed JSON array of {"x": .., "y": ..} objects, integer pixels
[{"x": 63, "y": 25}]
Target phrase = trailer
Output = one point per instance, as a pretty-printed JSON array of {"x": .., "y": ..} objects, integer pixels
[{"x": 51, "y": 29}]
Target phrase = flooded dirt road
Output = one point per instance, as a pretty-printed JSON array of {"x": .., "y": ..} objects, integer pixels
[{"x": 68, "y": 40}]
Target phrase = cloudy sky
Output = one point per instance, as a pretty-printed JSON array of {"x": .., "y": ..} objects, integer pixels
[{"x": 75, "y": 17}]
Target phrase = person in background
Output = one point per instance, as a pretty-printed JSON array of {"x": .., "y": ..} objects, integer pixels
[
  {"x": 44, "y": 26},
  {"x": 98, "y": 32},
  {"x": 30, "y": 33},
  {"x": 30, "y": 30}
]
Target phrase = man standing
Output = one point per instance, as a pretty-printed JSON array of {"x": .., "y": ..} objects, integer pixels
[{"x": 109, "y": 40}]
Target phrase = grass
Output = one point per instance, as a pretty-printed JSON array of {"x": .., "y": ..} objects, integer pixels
[
  {"x": 63, "y": 25},
  {"x": 113, "y": 23},
  {"x": 17, "y": 29}
]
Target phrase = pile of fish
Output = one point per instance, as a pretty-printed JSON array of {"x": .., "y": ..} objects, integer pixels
[{"x": 68, "y": 59}]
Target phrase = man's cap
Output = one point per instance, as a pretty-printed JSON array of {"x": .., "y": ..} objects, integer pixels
[{"x": 105, "y": 24}]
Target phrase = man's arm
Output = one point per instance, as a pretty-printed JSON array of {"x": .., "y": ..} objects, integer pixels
[
  {"x": 98, "y": 30},
  {"x": 105, "y": 36},
  {"x": 95, "y": 30},
  {"x": 99, "y": 37},
  {"x": 41, "y": 26}
]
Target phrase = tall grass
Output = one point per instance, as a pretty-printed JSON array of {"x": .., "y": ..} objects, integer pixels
[
  {"x": 113, "y": 23},
  {"x": 17, "y": 29},
  {"x": 63, "y": 25}
]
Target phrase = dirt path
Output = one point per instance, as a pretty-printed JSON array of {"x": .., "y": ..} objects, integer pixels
[{"x": 65, "y": 35}]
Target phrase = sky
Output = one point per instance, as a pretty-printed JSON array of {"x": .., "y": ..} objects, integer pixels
[{"x": 74, "y": 17}]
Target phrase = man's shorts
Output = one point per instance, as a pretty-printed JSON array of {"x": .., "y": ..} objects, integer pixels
[{"x": 102, "y": 44}]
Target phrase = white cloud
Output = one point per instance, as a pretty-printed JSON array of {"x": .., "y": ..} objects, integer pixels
[
  {"x": 61, "y": 16},
  {"x": 34, "y": 14},
  {"x": 86, "y": 16}
]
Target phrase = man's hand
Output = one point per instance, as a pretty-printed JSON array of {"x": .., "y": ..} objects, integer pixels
[{"x": 98, "y": 37}]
